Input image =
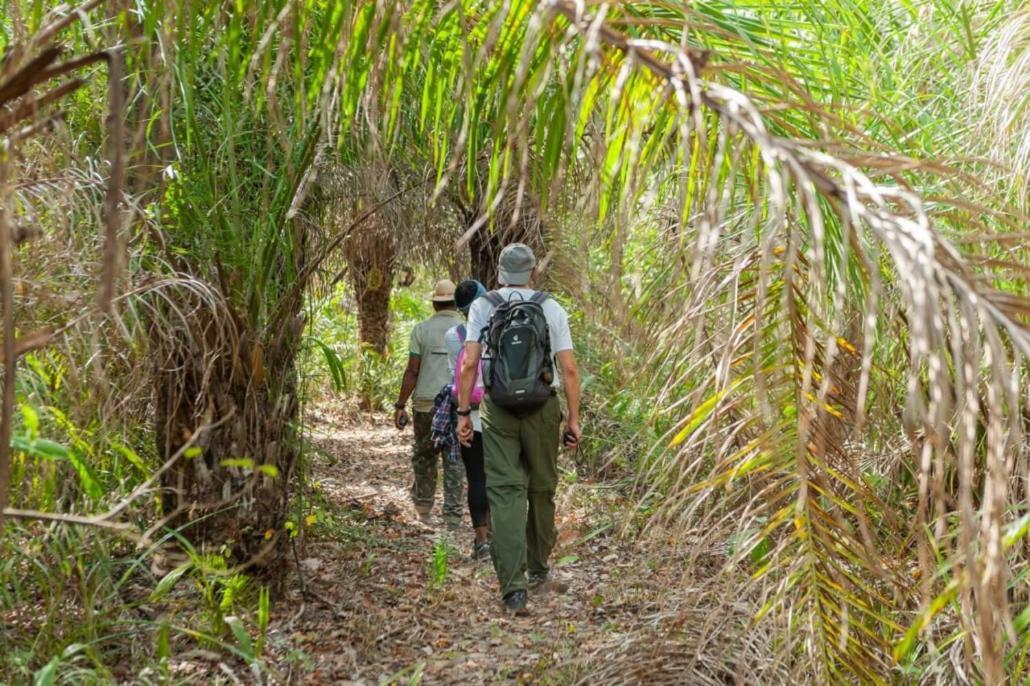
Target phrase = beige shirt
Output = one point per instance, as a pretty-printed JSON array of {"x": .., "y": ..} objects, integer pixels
[{"x": 427, "y": 342}]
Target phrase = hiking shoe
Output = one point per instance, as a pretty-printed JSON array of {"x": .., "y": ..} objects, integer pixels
[
  {"x": 541, "y": 582},
  {"x": 515, "y": 603},
  {"x": 536, "y": 579},
  {"x": 481, "y": 551},
  {"x": 424, "y": 513}
]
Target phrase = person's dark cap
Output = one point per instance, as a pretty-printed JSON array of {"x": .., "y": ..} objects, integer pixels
[{"x": 466, "y": 293}]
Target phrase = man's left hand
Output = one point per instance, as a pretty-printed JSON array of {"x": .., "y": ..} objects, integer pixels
[
  {"x": 400, "y": 418},
  {"x": 465, "y": 431}
]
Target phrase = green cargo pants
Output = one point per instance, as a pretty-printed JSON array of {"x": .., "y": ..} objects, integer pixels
[
  {"x": 521, "y": 459},
  {"x": 423, "y": 462}
]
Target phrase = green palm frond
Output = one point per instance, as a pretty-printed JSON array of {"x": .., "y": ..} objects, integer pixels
[
  {"x": 787, "y": 261},
  {"x": 829, "y": 274}
]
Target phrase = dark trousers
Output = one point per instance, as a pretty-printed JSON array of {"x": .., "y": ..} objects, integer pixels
[{"x": 475, "y": 474}]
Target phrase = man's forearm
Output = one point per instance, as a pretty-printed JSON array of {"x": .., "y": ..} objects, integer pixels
[
  {"x": 571, "y": 382},
  {"x": 469, "y": 368},
  {"x": 468, "y": 380},
  {"x": 407, "y": 387}
]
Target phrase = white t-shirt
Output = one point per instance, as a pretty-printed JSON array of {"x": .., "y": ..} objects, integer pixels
[
  {"x": 557, "y": 321},
  {"x": 453, "y": 342}
]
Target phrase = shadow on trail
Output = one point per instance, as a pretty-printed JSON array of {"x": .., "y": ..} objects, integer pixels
[{"x": 390, "y": 599}]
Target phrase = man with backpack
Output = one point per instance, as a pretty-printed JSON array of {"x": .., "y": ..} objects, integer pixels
[
  {"x": 527, "y": 341},
  {"x": 468, "y": 292},
  {"x": 425, "y": 375}
]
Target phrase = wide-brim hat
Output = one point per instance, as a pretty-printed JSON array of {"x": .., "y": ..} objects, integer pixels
[
  {"x": 516, "y": 264},
  {"x": 443, "y": 292}
]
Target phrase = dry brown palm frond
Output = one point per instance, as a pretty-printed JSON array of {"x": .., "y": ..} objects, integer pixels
[
  {"x": 698, "y": 638},
  {"x": 790, "y": 266},
  {"x": 1002, "y": 112},
  {"x": 33, "y": 82}
]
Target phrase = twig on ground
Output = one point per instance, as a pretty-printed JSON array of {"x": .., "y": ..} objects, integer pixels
[
  {"x": 296, "y": 561},
  {"x": 333, "y": 607}
]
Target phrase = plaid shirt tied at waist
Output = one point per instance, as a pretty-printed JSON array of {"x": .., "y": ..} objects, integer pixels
[{"x": 444, "y": 432}]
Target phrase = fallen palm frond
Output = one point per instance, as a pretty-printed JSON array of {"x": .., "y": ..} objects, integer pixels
[{"x": 700, "y": 637}]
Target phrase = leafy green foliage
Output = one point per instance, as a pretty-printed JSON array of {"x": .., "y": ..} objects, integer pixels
[
  {"x": 443, "y": 552},
  {"x": 769, "y": 214},
  {"x": 335, "y": 359},
  {"x": 50, "y": 446}
]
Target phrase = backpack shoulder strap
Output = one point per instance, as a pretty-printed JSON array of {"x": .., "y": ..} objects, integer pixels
[
  {"x": 494, "y": 298},
  {"x": 539, "y": 297},
  {"x": 460, "y": 330}
]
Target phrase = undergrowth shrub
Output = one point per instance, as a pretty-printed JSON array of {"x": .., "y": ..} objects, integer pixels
[
  {"x": 66, "y": 451},
  {"x": 618, "y": 413},
  {"x": 79, "y": 606}
]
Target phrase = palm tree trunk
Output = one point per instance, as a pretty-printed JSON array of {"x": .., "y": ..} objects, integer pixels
[
  {"x": 371, "y": 258},
  {"x": 371, "y": 263},
  {"x": 374, "y": 318},
  {"x": 226, "y": 398}
]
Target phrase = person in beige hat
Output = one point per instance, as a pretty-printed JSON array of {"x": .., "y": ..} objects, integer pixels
[{"x": 426, "y": 374}]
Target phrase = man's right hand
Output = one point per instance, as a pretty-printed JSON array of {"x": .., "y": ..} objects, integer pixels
[
  {"x": 400, "y": 419},
  {"x": 572, "y": 434}
]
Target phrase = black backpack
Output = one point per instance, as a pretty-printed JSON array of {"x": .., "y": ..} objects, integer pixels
[{"x": 517, "y": 369}]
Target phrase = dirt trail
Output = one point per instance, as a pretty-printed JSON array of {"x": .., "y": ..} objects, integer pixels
[{"x": 373, "y": 614}]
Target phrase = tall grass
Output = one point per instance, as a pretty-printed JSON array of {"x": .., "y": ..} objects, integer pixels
[
  {"x": 798, "y": 261},
  {"x": 800, "y": 293}
]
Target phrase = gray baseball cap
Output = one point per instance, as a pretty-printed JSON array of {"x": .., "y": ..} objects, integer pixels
[{"x": 516, "y": 264}]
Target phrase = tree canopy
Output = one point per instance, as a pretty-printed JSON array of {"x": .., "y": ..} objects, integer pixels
[{"x": 793, "y": 237}]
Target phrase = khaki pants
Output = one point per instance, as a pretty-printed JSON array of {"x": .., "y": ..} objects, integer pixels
[
  {"x": 521, "y": 459},
  {"x": 423, "y": 462}
]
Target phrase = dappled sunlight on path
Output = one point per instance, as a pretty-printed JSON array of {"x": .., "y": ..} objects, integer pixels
[{"x": 378, "y": 609}]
